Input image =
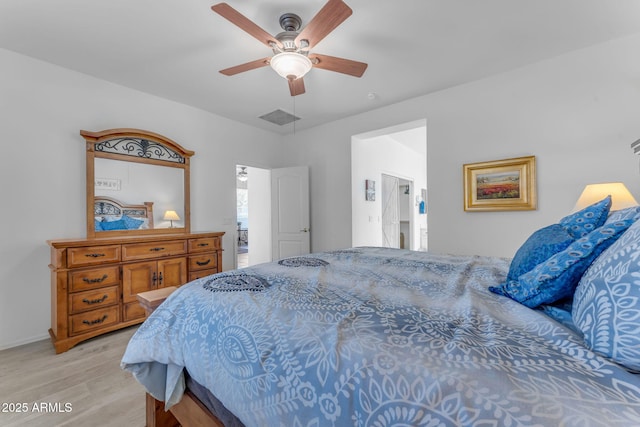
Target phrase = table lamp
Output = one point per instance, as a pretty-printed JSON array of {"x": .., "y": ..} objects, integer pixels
[
  {"x": 620, "y": 197},
  {"x": 171, "y": 216}
]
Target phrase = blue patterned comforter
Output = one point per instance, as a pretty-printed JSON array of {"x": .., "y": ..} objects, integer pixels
[{"x": 377, "y": 337}]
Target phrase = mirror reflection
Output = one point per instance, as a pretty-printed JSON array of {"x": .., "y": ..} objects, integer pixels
[{"x": 137, "y": 183}]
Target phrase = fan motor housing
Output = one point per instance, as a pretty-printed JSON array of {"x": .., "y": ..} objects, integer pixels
[
  {"x": 288, "y": 40},
  {"x": 290, "y": 22}
]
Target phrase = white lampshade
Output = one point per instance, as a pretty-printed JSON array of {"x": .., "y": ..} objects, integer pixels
[
  {"x": 171, "y": 216},
  {"x": 291, "y": 65},
  {"x": 620, "y": 197}
]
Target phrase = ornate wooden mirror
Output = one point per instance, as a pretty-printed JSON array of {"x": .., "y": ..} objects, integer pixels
[{"x": 137, "y": 183}]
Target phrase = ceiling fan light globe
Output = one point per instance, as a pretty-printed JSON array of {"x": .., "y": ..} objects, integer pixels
[{"x": 291, "y": 65}]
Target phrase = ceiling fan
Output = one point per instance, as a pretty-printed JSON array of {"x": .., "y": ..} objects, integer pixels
[{"x": 291, "y": 58}]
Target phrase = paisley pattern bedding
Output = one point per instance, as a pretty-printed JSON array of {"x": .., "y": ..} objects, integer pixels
[{"x": 377, "y": 337}]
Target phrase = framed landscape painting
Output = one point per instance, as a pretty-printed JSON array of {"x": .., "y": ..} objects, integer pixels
[{"x": 500, "y": 185}]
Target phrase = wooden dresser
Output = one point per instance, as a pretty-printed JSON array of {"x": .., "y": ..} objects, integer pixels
[{"x": 94, "y": 282}]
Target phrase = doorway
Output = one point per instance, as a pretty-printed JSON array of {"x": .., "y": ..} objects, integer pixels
[
  {"x": 242, "y": 216},
  {"x": 396, "y": 157},
  {"x": 253, "y": 215},
  {"x": 272, "y": 214}
]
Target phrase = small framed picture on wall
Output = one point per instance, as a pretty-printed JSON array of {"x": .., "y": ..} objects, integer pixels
[{"x": 370, "y": 190}]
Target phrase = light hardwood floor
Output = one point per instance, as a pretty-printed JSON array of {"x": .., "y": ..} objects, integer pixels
[
  {"x": 243, "y": 260},
  {"x": 88, "y": 377}
]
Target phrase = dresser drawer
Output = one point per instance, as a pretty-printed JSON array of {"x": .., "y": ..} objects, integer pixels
[
  {"x": 84, "y": 280},
  {"x": 136, "y": 251},
  {"x": 203, "y": 262},
  {"x": 91, "y": 300},
  {"x": 204, "y": 244},
  {"x": 94, "y": 319},
  {"x": 80, "y": 257},
  {"x": 193, "y": 275}
]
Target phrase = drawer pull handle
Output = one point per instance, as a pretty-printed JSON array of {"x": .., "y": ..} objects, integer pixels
[
  {"x": 203, "y": 244},
  {"x": 96, "y": 321},
  {"x": 96, "y": 280},
  {"x": 94, "y": 255},
  {"x": 156, "y": 249},
  {"x": 95, "y": 301},
  {"x": 160, "y": 279},
  {"x": 154, "y": 278},
  {"x": 203, "y": 262}
]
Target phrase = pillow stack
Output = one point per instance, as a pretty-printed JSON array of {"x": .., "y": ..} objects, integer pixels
[
  {"x": 549, "y": 265},
  {"x": 594, "y": 258}
]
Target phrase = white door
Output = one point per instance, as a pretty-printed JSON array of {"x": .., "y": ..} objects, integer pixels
[
  {"x": 290, "y": 212},
  {"x": 390, "y": 217}
]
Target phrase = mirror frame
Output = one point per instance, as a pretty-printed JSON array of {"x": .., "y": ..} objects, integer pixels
[{"x": 95, "y": 143}]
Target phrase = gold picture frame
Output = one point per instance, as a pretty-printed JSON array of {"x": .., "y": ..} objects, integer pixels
[{"x": 500, "y": 185}]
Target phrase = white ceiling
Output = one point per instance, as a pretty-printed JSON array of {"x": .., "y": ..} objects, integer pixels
[{"x": 174, "y": 48}]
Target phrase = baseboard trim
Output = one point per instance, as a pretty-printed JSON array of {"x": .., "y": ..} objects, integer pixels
[{"x": 24, "y": 341}]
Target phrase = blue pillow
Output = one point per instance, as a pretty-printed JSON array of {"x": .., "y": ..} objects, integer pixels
[
  {"x": 557, "y": 277},
  {"x": 114, "y": 225},
  {"x": 606, "y": 304},
  {"x": 583, "y": 222},
  {"x": 539, "y": 247},
  {"x": 131, "y": 223},
  {"x": 632, "y": 212},
  {"x": 98, "y": 225}
]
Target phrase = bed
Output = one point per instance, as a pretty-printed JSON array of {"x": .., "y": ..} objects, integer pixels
[
  {"x": 377, "y": 336},
  {"x": 111, "y": 215}
]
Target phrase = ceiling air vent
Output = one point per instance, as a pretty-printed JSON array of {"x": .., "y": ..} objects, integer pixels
[{"x": 279, "y": 117}]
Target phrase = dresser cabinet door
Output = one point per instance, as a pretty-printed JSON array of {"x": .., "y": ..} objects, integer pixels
[
  {"x": 145, "y": 276},
  {"x": 138, "y": 277},
  {"x": 172, "y": 272}
]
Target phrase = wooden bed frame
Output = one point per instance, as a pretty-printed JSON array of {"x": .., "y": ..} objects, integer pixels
[
  {"x": 190, "y": 411},
  {"x": 105, "y": 206}
]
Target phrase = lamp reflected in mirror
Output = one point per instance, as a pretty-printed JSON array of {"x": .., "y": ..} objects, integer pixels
[{"x": 171, "y": 216}]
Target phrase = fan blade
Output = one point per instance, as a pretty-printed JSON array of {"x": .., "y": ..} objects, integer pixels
[
  {"x": 326, "y": 20},
  {"x": 244, "y": 23},
  {"x": 340, "y": 65},
  {"x": 296, "y": 87},
  {"x": 245, "y": 67}
]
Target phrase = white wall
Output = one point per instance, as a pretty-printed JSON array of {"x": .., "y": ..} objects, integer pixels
[
  {"x": 577, "y": 113},
  {"x": 42, "y": 109}
]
